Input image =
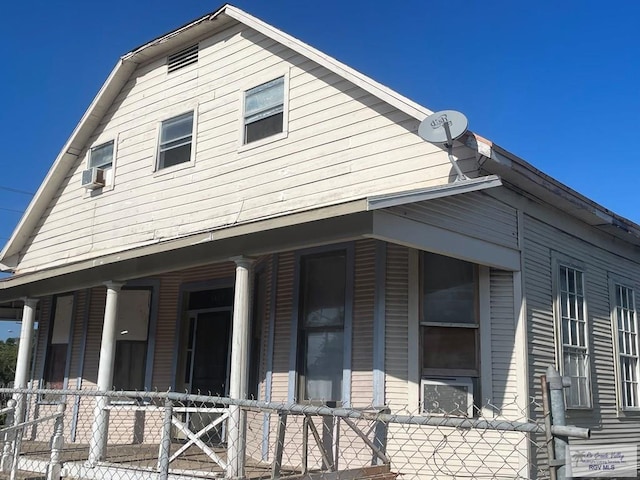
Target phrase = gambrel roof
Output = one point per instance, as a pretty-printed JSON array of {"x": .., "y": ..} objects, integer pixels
[{"x": 493, "y": 159}]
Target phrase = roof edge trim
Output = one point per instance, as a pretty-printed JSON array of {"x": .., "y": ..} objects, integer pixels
[
  {"x": 70, "y": 152},
  {"x": 505, "y": 159},
  {"x": 379, "y": 90},
  {"x": 411, "y": 196}
]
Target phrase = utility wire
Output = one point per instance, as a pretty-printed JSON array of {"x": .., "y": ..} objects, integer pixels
[
  {"x": 16, "y": 190},
  {"x": 11, "y": 210}
]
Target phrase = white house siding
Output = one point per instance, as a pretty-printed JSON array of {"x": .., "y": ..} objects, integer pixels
[
  {"x": 363, "y": 312},
  {"x": 342, "y": 144},
  {"x": 397, "y": 312},
  {"x": 474, "y": 214},
  {"x": 351, "y": 447},
  {"x": 504, "y": 393},
  {"x": 423, "y": 452},
  {"x": 541, "y": 239},
  {"x": 282, "y": 331}
]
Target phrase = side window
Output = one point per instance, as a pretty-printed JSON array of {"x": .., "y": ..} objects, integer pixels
[
  {"x": 58, "y": 343},
  {"x": 572, "y": 327},
  {"x": 264, "y": 110},
  {"x": 101, "y": 156},
  {"x": 322, "y": 307},
  {"x": 450, "y": 335},
  {"x": 626, "y": 327},
  {"x": 134, "y": 309},
  {"x": 176, "y": 138}
]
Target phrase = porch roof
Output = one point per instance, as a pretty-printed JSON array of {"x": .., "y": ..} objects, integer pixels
[{"x": 363, "y": 218}]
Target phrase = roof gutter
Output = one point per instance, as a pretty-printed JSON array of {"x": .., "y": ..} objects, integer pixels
[{"x": 513, "y": 169}]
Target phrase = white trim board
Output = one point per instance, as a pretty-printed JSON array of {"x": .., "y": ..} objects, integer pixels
[{"x": 410, "y": 233}]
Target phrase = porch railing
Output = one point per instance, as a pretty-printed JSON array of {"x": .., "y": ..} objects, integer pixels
[{"x": 170, "y": 436}]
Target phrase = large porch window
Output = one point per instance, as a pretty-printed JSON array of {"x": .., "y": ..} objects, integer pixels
[
  {"x": 134, "y": 310},
  {"x": 322, "y": 307}
]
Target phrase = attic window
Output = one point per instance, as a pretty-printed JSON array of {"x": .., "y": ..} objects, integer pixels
[{"x": 183, "y": 58}]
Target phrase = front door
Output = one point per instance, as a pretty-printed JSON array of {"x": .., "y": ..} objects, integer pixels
[{"x": 210, "y": 353}]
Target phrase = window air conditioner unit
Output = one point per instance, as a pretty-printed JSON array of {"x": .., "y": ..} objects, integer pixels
[
  {"x": 93, "y": 178},
  {"x": 447, "y": 396}
]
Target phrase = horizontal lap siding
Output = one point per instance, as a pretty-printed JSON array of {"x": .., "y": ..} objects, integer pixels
[
  {"x": 396, "y": 337},
  {"x": 342, "y": 144},
  {"x": 503, "y": 355},
  {"x": 423, "y": 452},
  {"x": 282, "y": 328},
  {"x": 540, "y": 241},
  {"x": 474, "y": 214},
  {"x": 363, "y": 313},
  {"x": 426, "y": 452}
]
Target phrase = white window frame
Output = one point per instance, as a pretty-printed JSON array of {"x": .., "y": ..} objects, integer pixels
[
  {"x": 561, "y": 261},
  {"x": 294, "y": 353},
  {"x": 485, "y": 374},
  {"x": 616, "y": 282},
  {"x": 174, "y": 113},
  {"x": 256, "y": 81},
  {"x": 110, "y": 172}
]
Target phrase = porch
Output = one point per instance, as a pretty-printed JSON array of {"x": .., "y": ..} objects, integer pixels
[{"x": 178, "y": 436}]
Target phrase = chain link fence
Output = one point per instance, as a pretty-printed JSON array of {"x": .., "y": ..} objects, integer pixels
[{"x": 152, "y": 435}]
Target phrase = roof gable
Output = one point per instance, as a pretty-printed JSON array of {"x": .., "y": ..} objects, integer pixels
[{"x": 121, "y": 73}]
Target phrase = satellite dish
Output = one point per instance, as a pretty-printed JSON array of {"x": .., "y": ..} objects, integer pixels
[{"x": 442, "y": 128}]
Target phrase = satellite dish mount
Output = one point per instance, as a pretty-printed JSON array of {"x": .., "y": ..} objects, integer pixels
[{"x": 442, "y": 128}]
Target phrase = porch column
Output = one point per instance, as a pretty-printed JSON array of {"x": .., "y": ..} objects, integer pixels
[
  {"x": 24, "y": 355},
  {"x": 239, "y": 364},
  {"x": 99, "y": 428}
]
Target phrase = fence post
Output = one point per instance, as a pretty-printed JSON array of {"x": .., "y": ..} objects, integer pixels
[
  {"x": 380, "y": 437},
  {"x": 165, "y": 442},
  {"x": 9, "y": 437},
  {"x": 57, "y": 442},
  {"x": 556, "y": 395},
  {"x": 277, "y": 457}
]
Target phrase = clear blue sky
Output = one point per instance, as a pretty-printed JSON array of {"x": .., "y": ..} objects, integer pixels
[{"x": 554, "y": 82}]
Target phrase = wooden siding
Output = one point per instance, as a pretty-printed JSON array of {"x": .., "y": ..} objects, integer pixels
[
  {"x": 503, "y": 355},
  {"x": 363, "y": 312},
  {"x": 411, "y": 448},
  {"x": 396, "y": 337},
  {"x": 474, "y": 214},
  {"x": 282, "y": 332},
  {"x": 342, "y": 143},
  {"x": 541, "y": 240}
]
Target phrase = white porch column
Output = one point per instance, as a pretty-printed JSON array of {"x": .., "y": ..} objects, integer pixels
[
  {"x": 24, "y": 354},
  {"x": 99, "y": 428},
  {"x": 239, "y": 364},
  {"x": 26, "y": 340},
  {"x": 11, "y": 439}
]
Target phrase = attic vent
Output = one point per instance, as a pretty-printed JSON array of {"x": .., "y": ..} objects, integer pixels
[{"x": 181, "y": 59}]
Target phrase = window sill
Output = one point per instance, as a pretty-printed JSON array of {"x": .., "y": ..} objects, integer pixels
[
  {"x": 579, "y": 409},
  {"x": 96, "y": 192},
  {"x": 174, "y": 168},
  {"x": 633, "y": 412},
  {"x": 265, "y": 141}
]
